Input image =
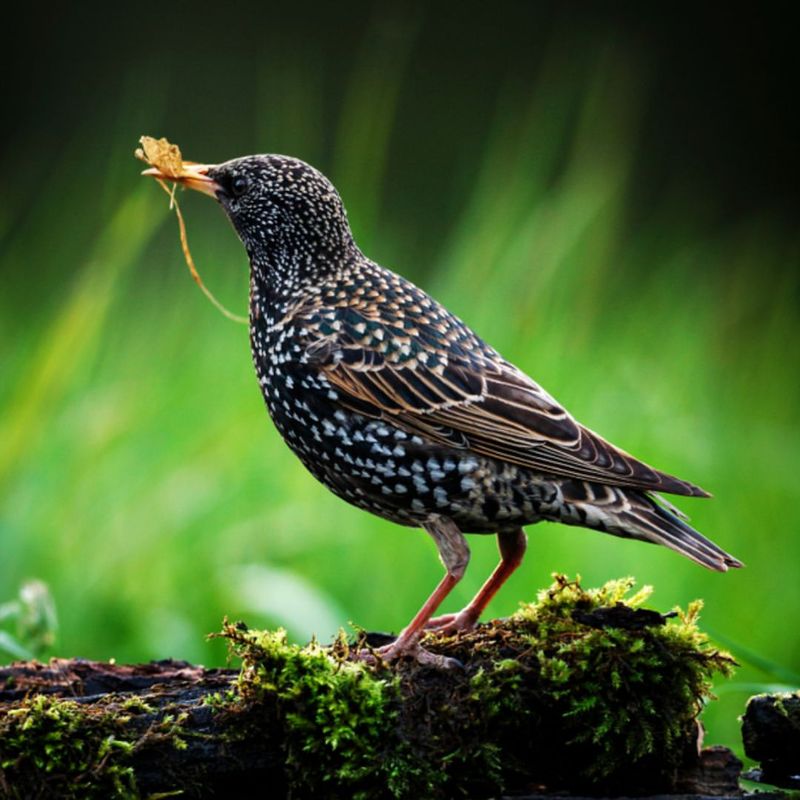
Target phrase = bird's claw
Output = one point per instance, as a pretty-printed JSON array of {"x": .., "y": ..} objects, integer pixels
[
  {"x": 397, "y": 649},
  {"x": 439, "y": 623},
  {"x": 449, "y": 624}
]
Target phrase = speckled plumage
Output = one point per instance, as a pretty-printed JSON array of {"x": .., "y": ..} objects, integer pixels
[{"x": 400, "y": 409}]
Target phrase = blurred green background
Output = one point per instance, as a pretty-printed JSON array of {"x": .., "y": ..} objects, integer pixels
[{"x": 605, "y": 195}]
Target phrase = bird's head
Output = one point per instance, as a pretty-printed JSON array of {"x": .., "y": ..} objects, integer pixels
[{"x": 288, "y": 215}]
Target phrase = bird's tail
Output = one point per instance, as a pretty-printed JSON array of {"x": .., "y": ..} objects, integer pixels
[{"x": 638, "y": 515}]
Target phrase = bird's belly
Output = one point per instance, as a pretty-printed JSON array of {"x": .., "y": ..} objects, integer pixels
[{"x": 388, "y": 471}]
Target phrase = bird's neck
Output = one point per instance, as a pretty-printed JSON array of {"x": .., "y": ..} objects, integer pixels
[{"x": 280, "y": 278}]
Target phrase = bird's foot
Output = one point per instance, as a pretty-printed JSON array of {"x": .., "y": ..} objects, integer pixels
[
  {"x": 410, "y": 648},
  {"x": 465, "y": 620}
]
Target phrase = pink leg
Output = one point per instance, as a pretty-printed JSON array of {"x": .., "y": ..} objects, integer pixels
[
  {"x": 512, "y": 549},
  {"x": 454, "y": 552}
]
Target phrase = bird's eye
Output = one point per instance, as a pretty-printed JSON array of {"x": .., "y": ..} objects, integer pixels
[{"x": 238, "y": 186}]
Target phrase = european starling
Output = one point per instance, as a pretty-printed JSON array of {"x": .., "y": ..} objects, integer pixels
[{"x": 399, "y": 408}]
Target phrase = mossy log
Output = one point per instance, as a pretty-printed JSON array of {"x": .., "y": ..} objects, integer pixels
[
  {"x": 771, "y": 735},
  {"x": 582, "y": 692}
]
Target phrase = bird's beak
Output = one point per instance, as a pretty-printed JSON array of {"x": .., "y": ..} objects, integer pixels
[{"x": 194, "y": 176}]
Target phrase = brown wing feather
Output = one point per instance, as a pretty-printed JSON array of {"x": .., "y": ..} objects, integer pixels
[{"x": 488, "y": 406}]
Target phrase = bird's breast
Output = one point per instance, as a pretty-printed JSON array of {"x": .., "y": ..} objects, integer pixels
[{"x": 373, "y": 463}]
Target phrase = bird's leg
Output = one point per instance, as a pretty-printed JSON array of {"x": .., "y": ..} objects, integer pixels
[
  {"x": 454, "y": 553},
  {"x": 512, "y": 547}
]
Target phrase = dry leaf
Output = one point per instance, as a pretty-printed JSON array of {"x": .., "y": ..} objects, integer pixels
[{"x": 161, "y": 154}]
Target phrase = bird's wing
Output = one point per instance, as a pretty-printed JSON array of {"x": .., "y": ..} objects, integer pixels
[{"x": 453, "y": 389}]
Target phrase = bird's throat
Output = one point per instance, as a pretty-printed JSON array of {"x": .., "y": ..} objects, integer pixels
[{"x": 283, "y": 277}]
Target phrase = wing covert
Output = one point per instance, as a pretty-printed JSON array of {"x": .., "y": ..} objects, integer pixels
[{"x": 440, "y": 381}]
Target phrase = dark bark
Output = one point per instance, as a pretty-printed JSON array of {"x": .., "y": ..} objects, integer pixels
[
  {"x": 771, "y": 734},
  {"x": 216, "y": 760},
  {"x": 213, "y": 763}
]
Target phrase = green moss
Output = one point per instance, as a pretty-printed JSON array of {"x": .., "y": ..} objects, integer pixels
[
  {"x": 56, "y": 748},
  {"x": 788, "y": 705},
  {"x": 336, "y": 712},
  {"x": 582, "y": 690},
  {"x": 136, "y": 705},
  {"x": 627, "y": 686}
]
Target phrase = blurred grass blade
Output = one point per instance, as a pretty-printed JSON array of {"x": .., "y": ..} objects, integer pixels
[
  {"x": 368, "y": 114},
  {"x": 8, "y": 644},
  {"x": 75, "y": 331},
  {"x": 743, "y": 653},
  {"x": 287, "y": 598}
]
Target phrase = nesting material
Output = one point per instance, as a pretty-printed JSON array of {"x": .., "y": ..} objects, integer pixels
[
  {"x": 167, "y": 159},
  {"x": 161, "y": 154}
]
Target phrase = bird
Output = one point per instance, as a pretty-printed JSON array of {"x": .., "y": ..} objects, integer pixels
[{"x": 399, "y": 408}]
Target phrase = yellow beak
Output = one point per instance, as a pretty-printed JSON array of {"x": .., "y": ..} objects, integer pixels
[{"x": 194, "y": 176}]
